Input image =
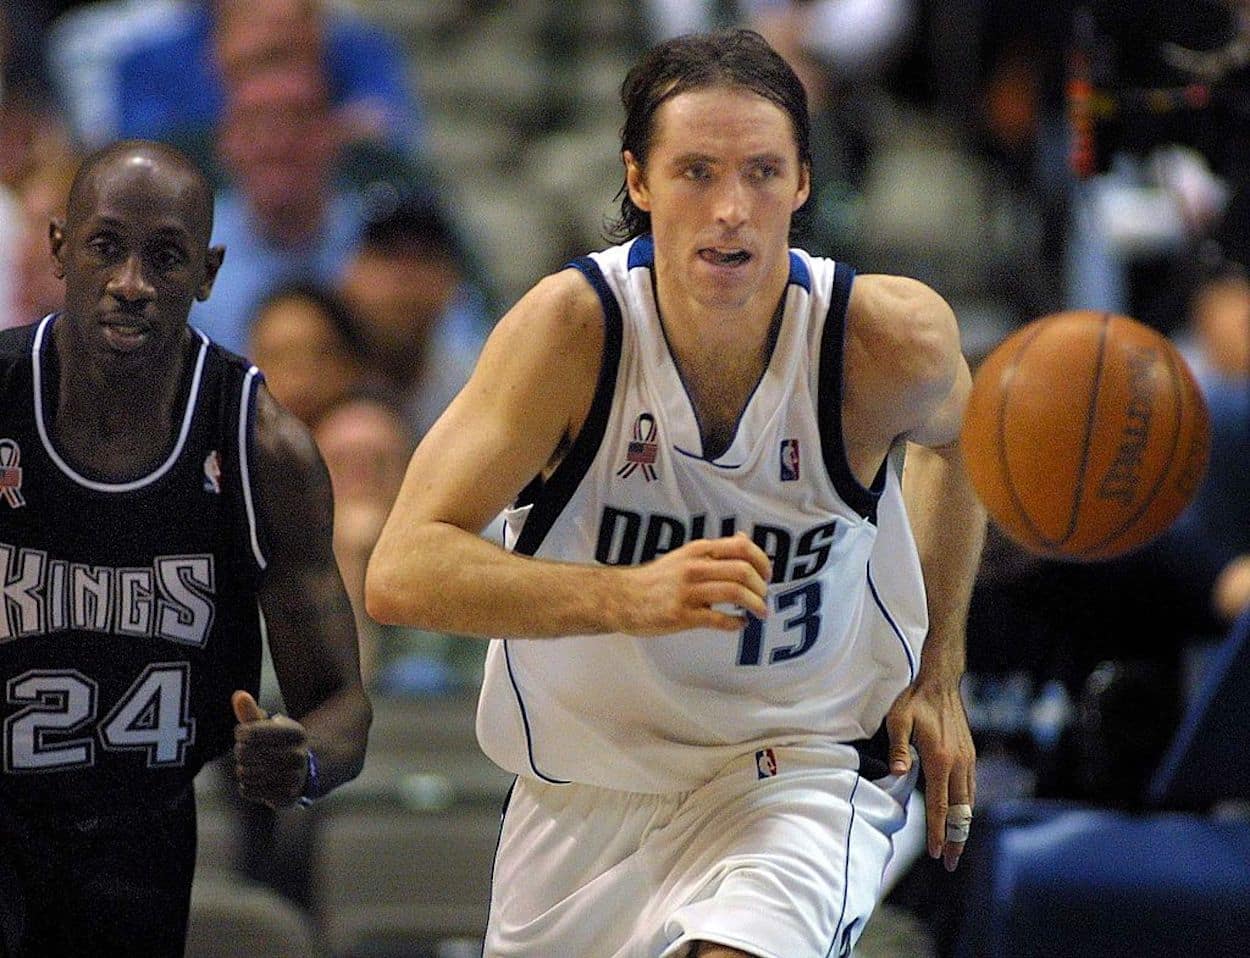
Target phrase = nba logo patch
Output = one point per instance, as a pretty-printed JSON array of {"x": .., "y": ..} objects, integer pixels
[
  {"x": 789, "y": 460},
  {"x": 765, "y": 763},
  {"x": 212, "y": 473},
  {"x": 11, "y": 474}
]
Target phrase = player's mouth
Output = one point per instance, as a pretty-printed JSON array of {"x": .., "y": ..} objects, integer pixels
[
  {"x": 125, "y": 334},
  {"x": 724, "y": 256}
]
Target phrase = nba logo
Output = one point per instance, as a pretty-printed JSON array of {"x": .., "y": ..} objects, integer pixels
[
  {"x": 789, "y": 460},
  {"x": 765, "y": 763},
  {"x": 212, "y": 473}
]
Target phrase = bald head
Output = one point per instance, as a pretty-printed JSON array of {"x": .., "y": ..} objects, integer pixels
[{"x": 168, "y": 170}]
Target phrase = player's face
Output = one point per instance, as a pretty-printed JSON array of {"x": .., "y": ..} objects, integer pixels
[
  {"x": 722, "y": 182},
  {"x": 134, "y": 256}
]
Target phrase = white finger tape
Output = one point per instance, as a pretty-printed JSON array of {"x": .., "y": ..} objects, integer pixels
[{"x": 958, "y": 823}]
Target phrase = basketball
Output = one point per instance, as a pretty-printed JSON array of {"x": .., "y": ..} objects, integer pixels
[{"x": 1085, "y": 435}]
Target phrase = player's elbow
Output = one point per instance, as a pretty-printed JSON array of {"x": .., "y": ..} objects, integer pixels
[{"x": 388, "y": 598}]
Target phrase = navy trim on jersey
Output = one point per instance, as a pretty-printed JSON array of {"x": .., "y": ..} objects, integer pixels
[
  {"x": 642, "y": 253},
  {"x": 711, "y": 462},
  {"x": 799, "y": 274},
  {"x": 846, "y": 868},
  {"x": 525, "y": 721},
  {"x": 876, "y": 597},
  {"x": 829, "y": 403},
  {"x": 549, "y": 498}
]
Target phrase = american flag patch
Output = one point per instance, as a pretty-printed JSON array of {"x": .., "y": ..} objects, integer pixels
[{"x": 641, "y": 453}]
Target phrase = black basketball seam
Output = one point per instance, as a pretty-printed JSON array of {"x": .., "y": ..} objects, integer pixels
[
  {"x": 1001, "y": 447},
  {"x": 1090, "y": 415},
  {"x": 1163, "y": 473}
]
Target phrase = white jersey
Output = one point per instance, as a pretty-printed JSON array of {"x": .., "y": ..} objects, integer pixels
[{"x": 847, "y": 611}]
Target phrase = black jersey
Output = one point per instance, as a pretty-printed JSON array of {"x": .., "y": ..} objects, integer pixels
[{"x": 129, "y": 610}]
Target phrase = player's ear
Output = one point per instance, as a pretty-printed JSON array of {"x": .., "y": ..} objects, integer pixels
[
  {"x": 805, "y": 186},
  {"x": 213, "y": 259},
  {"x": 56, "y": 244},
  {"x": 636, "y": 182}
]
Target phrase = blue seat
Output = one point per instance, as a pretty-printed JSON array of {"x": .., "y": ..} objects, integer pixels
[
  {"x": 1063, "y": 879},
  {"x": 1209, "y": 758},
  {"x": 1060, "y": 880}
]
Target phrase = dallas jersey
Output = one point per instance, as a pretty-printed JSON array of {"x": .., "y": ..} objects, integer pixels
[
  {"x": 129, "y": 612},
  {"x": 847, "y": 605}
]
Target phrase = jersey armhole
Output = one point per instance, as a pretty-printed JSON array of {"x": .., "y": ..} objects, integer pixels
[
  {"x": 549, "y": 497},
  {"x": 256, "y": 538},
  {"x": 829, "y": 402}
]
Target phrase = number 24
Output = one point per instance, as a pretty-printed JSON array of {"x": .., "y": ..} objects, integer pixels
[{"x": 152, "y": 716}]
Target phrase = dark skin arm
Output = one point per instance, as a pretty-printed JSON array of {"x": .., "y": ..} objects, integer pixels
[{"x": 311, "y": 629}]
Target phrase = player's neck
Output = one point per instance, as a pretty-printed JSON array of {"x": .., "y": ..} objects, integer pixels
[{"x": 110, "y": 421}]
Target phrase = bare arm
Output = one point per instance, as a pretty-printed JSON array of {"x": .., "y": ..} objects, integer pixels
[
  {"x": 912, "y": 326},
  {"x": 310, "y": 625},
  {"x": 526, "y": 401}
]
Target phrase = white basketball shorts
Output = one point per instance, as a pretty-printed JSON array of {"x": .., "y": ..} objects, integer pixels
[{"x": 780, "y": 855}]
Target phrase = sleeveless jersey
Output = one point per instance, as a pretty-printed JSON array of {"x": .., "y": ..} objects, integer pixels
[
  {"x": 847, "y": 610},
  {"x": 129, "y": 610}
]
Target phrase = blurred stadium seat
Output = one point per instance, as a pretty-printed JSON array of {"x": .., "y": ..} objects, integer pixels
[
  {"x": 1058, "y": 878},
  {"x": 231, "y": 916}
]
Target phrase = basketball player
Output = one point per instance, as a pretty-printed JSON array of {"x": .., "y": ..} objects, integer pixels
[
  {"x": 152, "y": 493},
  {"x": 711, "y": 594}
]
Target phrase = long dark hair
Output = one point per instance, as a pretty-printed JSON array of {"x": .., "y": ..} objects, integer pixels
[{"x": 726, "y": 58}]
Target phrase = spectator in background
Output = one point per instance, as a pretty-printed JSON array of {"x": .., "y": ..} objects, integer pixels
[
  {"x": 282, "y": 217},
  {"x": 1213, "y": 534},
  {"x": 34, "y": 156},
  {"x": 423, "y": 317},
  {"x": 162, "y": 69},
  {"x": 41, "y": 197},
  {"x": 366, "y": 447},
  {"x": 308, "y": 345}
]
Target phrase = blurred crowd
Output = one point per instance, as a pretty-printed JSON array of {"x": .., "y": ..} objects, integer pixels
[{"x": 389, "y": 176}]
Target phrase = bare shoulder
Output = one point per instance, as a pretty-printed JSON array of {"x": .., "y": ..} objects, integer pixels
[
  {"x": 562, "y": 310},
  {"x": 282, "y": 441},
  {"x": 904, "y": 319},
  {"x": 541, "y": 362},
  {"x": 903, "y": 352}
]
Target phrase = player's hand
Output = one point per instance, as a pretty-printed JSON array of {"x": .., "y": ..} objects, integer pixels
[
  {"x": 270, "y": 754},
  {"x": 932, "y": 715},
  {"x": 707, "y": 583}
]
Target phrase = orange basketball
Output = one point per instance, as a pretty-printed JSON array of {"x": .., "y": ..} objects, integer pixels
[{"x": 1085, "y": 435}]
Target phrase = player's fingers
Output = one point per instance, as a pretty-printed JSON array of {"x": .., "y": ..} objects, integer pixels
[
  {"x": 958, "y": 828},
  {"x": 937, "y": 804},
  {"x": 716, "y": 619},
  {"x": 740, "y": 546},
  {"x": 732, "y": 596},
  {"x": 898, "y": 724},
  {"x": 246, "y": 709},
  {"x": 730, "y": 570},
  {"x": 950, "y": 855}
]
